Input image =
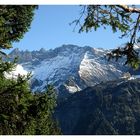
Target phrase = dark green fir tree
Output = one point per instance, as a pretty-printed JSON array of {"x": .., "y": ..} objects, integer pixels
[{"x": 21, "y": 111}]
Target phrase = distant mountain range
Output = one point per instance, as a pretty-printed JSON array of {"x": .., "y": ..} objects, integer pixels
[
  {"x": 95, "y": 99},
  {"x": 69, "y": 68}
]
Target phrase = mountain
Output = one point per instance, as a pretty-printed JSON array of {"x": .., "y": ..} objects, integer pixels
[
  {"x": 69, "y": 68},
  {"x": 103, "y": 102},
  {"x": 109, "y": 108}
]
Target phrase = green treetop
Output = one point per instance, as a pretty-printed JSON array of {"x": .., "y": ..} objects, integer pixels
[{"x": 14, "y": 23}]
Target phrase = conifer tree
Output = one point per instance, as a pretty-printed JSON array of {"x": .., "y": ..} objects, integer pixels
[{"x": 21, "y": 111}]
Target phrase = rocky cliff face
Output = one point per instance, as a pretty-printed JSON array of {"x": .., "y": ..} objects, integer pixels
[{"x": 69, "y": 66}]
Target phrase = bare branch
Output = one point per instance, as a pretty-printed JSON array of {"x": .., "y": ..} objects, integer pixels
[
  {"x": 135, "y": 30},
  {"x": 77, "y": 21},
  {"x": 129, "y": 9}
]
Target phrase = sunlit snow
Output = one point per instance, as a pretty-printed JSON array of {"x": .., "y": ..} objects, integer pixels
[{"x": 19, "y": 70}]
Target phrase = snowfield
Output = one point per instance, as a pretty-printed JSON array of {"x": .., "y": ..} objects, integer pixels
[{"x": 19, "y": 70}]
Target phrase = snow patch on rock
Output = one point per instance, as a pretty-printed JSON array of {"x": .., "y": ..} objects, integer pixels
[{"x": 18, "y": 70}]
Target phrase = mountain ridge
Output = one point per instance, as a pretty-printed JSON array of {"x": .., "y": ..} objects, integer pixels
[
  {"x": 85, "y": 66},
  {"x": 110, "y": 108}
]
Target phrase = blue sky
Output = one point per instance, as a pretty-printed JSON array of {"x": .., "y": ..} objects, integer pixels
[{"x": 50, "y": 29}]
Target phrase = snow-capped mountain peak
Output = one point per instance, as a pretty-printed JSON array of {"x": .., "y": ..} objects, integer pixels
[{"x": 86, "y": 66}]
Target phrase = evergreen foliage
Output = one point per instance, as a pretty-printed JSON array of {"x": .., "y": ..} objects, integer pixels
[
  {"x": 109, "y": 108},
  {"x": 21, "y": 111},
  {"x": 123, "y": 18},
  {"x": 14, "y": 22}
]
